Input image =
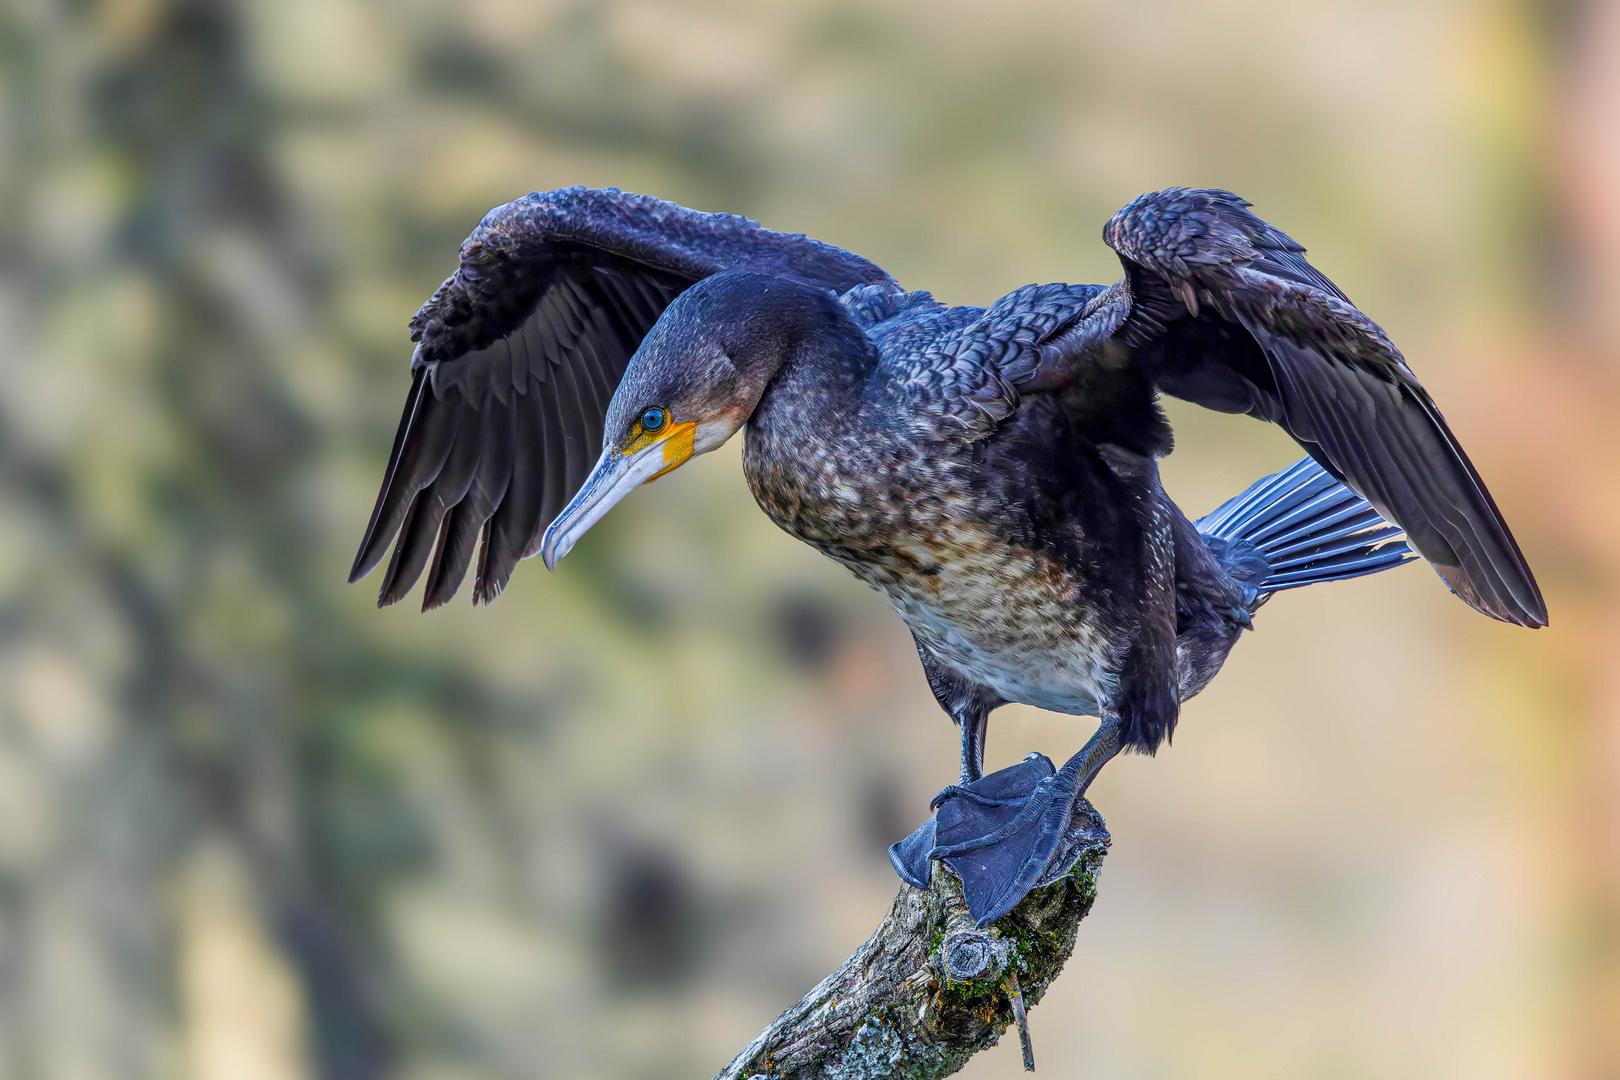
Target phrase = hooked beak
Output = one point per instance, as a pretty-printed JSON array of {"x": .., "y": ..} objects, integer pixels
[{"x": 616, "y": 475}]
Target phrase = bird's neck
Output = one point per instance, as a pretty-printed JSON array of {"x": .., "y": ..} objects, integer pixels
[
  {"x": 823, "y": 373},
  {"x": 809, "y": 437}
]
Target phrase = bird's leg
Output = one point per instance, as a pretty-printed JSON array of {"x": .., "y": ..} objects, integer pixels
[
  {"x": 974, "y": 722},
  {"x": 1007, "y": 833},
  {"x": 1103, "y": 746},
  {"x": 910, "y": 856}
]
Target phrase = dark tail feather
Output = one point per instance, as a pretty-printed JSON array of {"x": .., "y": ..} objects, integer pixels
[{"x": 1306, "y": 527}]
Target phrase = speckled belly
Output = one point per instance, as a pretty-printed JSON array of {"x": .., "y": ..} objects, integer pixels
[
  {"x": 1008, "y": 618},
  {"x": 901, "y": 517}
]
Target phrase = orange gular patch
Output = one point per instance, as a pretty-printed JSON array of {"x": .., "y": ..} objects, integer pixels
[{"x": 677, "y": 447}]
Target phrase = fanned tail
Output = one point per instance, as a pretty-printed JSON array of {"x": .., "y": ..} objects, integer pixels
[{"x": 1305, "y": 527}]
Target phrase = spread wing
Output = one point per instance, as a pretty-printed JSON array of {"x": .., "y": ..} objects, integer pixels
[
  {"x": 1224, "y": 311},
  {"x": 517, "y": 356}
]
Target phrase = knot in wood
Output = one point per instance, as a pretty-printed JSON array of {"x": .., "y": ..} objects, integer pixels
[{"x": 974, "y": 954}]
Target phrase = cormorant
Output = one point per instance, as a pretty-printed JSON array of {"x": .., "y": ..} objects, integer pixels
[{"x": 992, "y": 471}]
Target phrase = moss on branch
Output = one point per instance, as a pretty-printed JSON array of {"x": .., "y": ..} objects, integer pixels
[{"x": 928, "y": 989}]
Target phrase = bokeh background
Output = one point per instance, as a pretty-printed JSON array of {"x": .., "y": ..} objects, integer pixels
[{"x": 252, "y": 828}]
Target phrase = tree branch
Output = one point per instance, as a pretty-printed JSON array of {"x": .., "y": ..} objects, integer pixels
[{"x": 929, "y": 990}]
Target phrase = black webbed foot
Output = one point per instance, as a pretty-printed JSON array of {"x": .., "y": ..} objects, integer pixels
[
  {"x": 1003, "y": 835},
  {"x": 909, "y": 857},
  {"x": 1010, "y": 787}
]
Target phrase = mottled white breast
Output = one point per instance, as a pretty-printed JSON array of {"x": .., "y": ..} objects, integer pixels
[{"x": 1008, "y": 618}]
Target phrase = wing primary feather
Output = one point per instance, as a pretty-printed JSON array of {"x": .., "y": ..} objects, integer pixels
[
  {"x": 603, "y": 361},
  {"x": 457, "y": 536},
  {"x": 555, "y": 460},
  {"x": 517, "y": 519},
  {"x": 416, "y": 538},
  {"x": 1486, "y": 553},
  {"x": 483, "y": 496},
  {"x": 505, "y": 460},
  {"x": 425, "y": 435},
  {"x": 578, "y": 454},
  {"x": 1517, "y": 582},
  {"x": 582, "y": 450}
]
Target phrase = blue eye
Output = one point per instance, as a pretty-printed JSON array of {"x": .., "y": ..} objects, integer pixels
[{"x": 652, "y": 419}]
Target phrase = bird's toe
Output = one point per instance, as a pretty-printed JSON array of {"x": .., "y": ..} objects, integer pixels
[
  {"x": 1000, "y": 834},
  {"x": 909, "y": 857}
]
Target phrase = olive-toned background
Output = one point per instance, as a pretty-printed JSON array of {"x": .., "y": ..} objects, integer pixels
[{"x": 253, "y": 829}]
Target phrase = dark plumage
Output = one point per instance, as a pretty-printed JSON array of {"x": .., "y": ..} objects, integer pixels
[
  {"x": 992, "y": 471},
  {"x": 522, "y": 349}
]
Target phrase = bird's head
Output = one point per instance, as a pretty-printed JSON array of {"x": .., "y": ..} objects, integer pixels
[{"x": 692, "y": 384}]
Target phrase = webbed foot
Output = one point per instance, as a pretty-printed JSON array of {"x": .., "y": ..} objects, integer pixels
[
  {"x": 1009, "y": 787},
  {"x": 1003, "y": 835},
  {"x": 909, "y": 857},
  {"x": 1004, "y": 839}
]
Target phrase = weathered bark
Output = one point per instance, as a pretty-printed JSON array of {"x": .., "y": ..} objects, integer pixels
[{"x": 928, "y": 990}]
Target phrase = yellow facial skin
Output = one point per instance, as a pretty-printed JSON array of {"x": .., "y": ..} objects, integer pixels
[
  {"x": 677, "y": 440},
  {"x": 644, "y": 455}
]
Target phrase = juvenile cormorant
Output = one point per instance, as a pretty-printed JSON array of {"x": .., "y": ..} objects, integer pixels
[{"x": 992, "y": 471}]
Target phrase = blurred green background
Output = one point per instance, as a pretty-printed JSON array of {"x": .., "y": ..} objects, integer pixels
[{"x": 253, "y": 829}]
